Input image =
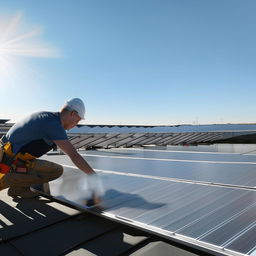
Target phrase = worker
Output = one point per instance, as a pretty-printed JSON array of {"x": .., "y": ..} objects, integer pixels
[{"x": 31, "y": 138}]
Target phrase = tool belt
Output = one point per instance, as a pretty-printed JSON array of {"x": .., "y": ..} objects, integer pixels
[{"x": 10, "y": 162}]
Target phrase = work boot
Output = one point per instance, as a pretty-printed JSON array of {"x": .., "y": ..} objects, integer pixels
[
  {"x": 23, "y": 192},
  {"x": 45, "y": 188}
]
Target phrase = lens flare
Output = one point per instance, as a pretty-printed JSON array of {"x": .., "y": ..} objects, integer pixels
[
  {"x": 18, "y": 40},
  {"x": 15, "y": 41}
]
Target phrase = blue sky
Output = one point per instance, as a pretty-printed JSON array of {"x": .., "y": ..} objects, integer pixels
[{"x": 132, "y": 61}]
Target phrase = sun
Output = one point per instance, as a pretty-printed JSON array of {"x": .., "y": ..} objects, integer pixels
[{"x": 19, "y": 41}]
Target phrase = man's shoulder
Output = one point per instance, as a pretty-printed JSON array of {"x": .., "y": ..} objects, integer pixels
[
  {"x": 46, "y": 115},
  {"x": 43, "y": 117}
]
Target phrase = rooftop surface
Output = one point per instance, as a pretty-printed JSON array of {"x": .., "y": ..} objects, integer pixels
[
  {"x": 206, "y": 200},
  {"x": 157, "y": 202},
  {"x": 162, "y": 129},
  {"x": 46, "y": 227}
]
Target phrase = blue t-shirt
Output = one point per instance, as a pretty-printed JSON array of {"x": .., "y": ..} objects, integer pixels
[{"x": 36, "y": 133}]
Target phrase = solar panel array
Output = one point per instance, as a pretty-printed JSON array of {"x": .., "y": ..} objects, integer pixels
[
  {"x": 207, "y": 200},
  {"x": 4, "y": 126},
  {"x": 110, "y": 140},
  {"x": 103, "y": 136}
]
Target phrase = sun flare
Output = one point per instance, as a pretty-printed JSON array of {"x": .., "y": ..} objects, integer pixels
[{"x": 18, "y": 40}]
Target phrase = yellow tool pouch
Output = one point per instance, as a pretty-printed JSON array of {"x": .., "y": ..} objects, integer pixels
[{"x": 15, "y": 162}]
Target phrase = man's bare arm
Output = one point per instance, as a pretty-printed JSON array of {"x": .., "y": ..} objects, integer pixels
[
  {"x": 76, "y": 158},
  {"x": 80, "y": 163}
]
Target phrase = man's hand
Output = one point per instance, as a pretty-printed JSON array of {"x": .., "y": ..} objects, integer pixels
[
  {"x": 91, "y": 191},
  {"x": 95, "y": 185},
  {"x": 97, "y": 200}
]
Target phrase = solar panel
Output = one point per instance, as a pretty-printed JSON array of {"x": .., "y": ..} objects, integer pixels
[
  {"x": 218, "y": 218},
  {"x": 240, "y": 173},
  {"x": 3, "y": 121},
  {"x": 177, "y": 155},
  {"x": 192, "y": 210}
]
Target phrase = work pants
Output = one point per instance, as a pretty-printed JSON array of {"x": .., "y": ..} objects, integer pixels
[{"x": 42, "y": 171}]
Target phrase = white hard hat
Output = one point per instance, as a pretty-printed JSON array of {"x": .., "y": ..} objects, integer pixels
[{"x": 77, "y": 105}]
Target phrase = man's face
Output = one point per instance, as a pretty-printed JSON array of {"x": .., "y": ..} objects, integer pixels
[{"x": 73, "y": 120}]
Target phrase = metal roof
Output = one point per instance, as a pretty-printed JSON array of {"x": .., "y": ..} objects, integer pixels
[
  {"x": 4, "y": 127},
  {"x": 91, "y": 136},
  {"x": 3, "y": 121},
  {"x": 186, "y": 128},
  {"x": 110, "y": 140},
  {"x": 163, "y": 129}
]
